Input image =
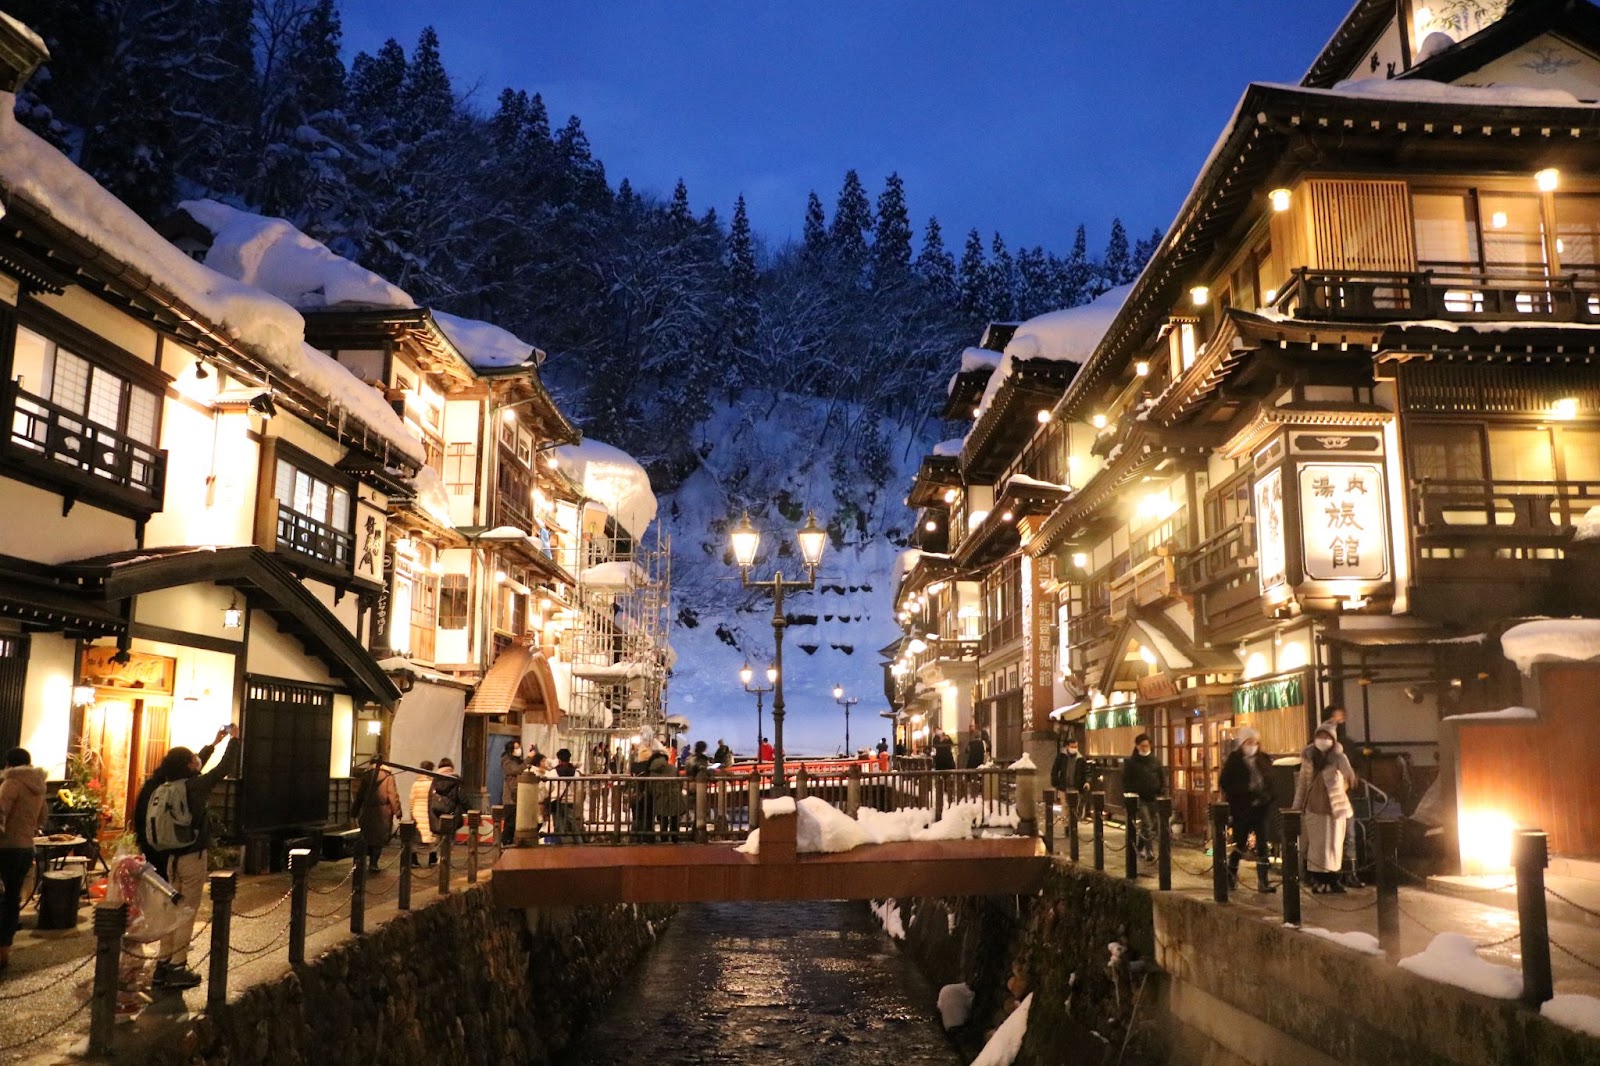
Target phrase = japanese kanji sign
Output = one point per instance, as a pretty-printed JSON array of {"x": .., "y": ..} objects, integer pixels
[
  {"x": 1271, "y": 557},
  {"x": 1342, "y": 526}
]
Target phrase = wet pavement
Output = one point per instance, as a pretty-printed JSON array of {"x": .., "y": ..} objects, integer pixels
[{"x": 775, "y": 983}]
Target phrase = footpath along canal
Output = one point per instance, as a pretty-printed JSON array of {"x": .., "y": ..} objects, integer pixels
[{"x": 783, "y": 984}]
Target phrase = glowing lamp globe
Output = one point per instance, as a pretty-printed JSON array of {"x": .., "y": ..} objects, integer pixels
[
  {"x": 813, "y": 538},
  {"x": 746, "y": 540}
]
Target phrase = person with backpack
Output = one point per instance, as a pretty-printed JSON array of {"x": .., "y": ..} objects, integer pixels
[
  {"x": 377, "y": 805},
  {"x": 174, "y": 833},
  {"x": 564, "y": 800},
  {"x": 446, "y": 798}
]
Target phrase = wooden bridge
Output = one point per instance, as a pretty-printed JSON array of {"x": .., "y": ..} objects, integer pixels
[{"x": 591, "y": 867}]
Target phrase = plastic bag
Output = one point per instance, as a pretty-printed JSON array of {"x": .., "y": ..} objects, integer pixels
[{"x": 153, "y": 909}]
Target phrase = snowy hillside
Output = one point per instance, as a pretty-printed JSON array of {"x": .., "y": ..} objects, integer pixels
[{"x": 780, "y": 458}]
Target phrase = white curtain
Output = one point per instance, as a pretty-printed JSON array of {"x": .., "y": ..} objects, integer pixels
[{"x": 427, "y": 725}]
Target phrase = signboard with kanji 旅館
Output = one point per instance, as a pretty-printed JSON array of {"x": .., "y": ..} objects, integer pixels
[{"x": 1342, "y": 530}]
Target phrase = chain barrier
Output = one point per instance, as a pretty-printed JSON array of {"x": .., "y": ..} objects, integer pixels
[
  {"x": 53, "y": 1028},
  {"x": 1501, "y": 942},
  {"x": 1320, "y": 899},
  {"x": 333, "y": 888},
  {"x": 1571, "y": 903},
  {"x": 51, "y": 980},
  {"x": 138, "y": 952},
  {"x": 1574, "y": 956},
  {"x": 328, "y": 913},
  {"x": 250, "y": 953},
  {"x": 247, "y": 916}
]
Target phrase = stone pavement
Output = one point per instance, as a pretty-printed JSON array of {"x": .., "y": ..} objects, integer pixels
[
  {"x": 44, "y": 992},
  {"x": 1484, "y": 909}
]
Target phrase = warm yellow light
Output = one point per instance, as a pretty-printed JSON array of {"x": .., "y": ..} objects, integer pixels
[
  {"x": 1148, "y": 656},
  {"x": 838, "y": 692},
  {"x": 1268, "y": 297},
  {"x": 745, "y": 673},
  {"x": 930, "y": 525},
  {"x": 813, "y": 538},
  {"x": 374, "y": 727},
  {"x": 1155, "y": 506},
  {"x": 772, "y": 675},
  {"x": 1142, "y": 368},
  {"x": 898, "y": 669},
  {"x": 950, "y": 495},
  {"x": 1044, "y": 416},
  {"x": 1080, "y": 560},
  {"x": 746, "y": 539},
  {"x": 500, "y": 576},
  {"x": 1547, "y": 179},
  {"x": 975, "y": 412},
  {"x": 1498, "y": 220},
  {"x": 82, "y": 695},
  {"x": 1006, "y": 516},
  {"x": 1279, "y": 199},
  {"x": 1098, "y": 421},
  {"x": 1200, "y": 295},
  {"x": 510, "y": 417},
  {"x": 917, "y": 646},
  {"x": 1565, "y": 408},
  {"x": 1485, "y": 838}
]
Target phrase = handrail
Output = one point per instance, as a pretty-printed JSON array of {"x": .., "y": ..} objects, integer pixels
[
  {"x": 1433, "y": 293},
  {"x": 1226, "y": 553},
  {"x": 74, "y": 440},
  {"x": 1470, "y": 507},
  {"x": 318, "y": 540}
]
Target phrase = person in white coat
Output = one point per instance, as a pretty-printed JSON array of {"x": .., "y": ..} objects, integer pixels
[
  {"x": 1321, "y": 795},
  {"x": 417, "y": 805}
]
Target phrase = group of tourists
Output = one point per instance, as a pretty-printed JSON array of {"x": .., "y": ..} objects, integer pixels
[{"x": 1321, "y": 796}]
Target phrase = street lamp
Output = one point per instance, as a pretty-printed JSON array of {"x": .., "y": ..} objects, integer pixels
[
  {"x": 747, "y": 675},
  {"x": 746, "y": 541},
  {"x": 846, "y": 702}
]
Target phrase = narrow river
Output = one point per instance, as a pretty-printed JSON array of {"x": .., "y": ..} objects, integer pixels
[{"x": 779, "y": 984}]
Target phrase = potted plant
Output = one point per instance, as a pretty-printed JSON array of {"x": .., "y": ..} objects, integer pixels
[{"x": 81, "y": 805}]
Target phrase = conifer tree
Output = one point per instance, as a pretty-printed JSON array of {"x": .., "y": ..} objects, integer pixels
[
  {"x": 973, "y": 279},
  {"x": 935, "y": 265},
  {"x": 1143, "y": 250},
  {"x": 1000, "y": 289},
  {"x": 320, "y": 73},
  {"x": 1075, "y": 273},
  {"x": 679, "y": 218},
  {"x": 891, "y": 253},
  {"x": 426, "y": 100},
  {"x": 741, "y": 304},
  {"x": 852, "y": 221},
  {"x": 1035, "y": 283},
  {"x": 1117, "y": 262},
  {"x": 815, "y": 234}
]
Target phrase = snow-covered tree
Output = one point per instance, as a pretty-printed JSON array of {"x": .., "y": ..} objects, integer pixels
[
  {"x": 852, "y": 221},
  {"x": 891, "y": 252},
  {"x": 935, "y": 265}
]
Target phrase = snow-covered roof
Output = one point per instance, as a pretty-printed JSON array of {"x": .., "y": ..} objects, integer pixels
[
  {"x": 33, "y": 171},
  {"x": 274, "y": 256},
  {"x": 950, "y": 447},
  {"x": 616, "y": 574},
  {"x": 484, "y": 345},
  {"x": 972, "y": 359},
  {"x": 1069, "y": 335},
  {"x": 1438, "y": 92},
  {"x": 1551, "y": 639},
  {"x": 432, "y": 499},
  {"x": 613, "y": 478}
]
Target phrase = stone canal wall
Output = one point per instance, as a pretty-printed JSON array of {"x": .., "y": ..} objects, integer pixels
[
  {"x": 1121, "y": 974},
  {"x": 457, "y": 981}
]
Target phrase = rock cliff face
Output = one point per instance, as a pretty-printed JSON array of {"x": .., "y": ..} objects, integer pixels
[{"x": 458, "y": 981}]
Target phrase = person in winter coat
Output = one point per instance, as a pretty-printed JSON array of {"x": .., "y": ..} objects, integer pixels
[
  {"x": 377, "y": 805},
  {"x": 445, "y": 799},
  {"x": 23, "y": 811},
  {"x": 667, "y": 804},
  {"x": 1321, "y": 795},
  {"x": 511, "y": 764},
  {"x": 724, "y": 754},
  {"x": 1143, "y": 776},
  {"x": 977, "y": 752},
  {"x": 944, "y": 751},
  {"x": 1246, "y": 784},
  {"x": 699, "y": 765},
  {"x": 1069, "y": 773},
  {"x": 767, "y": 752},
  {"x": 417, "y": 804}
]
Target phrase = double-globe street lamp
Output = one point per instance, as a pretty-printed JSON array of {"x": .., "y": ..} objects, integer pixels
[
  {"x": 747, "y": 675},
  {"x": 846, "y": 702},
  {"x": 746, "y": 541}
]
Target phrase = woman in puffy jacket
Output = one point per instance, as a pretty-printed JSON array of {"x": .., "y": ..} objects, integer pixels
[
  {"x": 417, "y": 805},
  {"x": 1321, "y": 794}
]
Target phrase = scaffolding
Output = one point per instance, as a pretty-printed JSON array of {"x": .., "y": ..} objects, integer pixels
[{"x": 618, "y": 647}]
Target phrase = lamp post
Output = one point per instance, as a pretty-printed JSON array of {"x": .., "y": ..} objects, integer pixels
[
  {"x": 746, "y": 540},
  {"x": 846, "y": 702},
  {"x": 747, "y": 675}
]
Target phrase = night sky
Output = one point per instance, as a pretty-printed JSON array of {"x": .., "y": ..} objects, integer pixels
[{"x": 1026, "y": 117}]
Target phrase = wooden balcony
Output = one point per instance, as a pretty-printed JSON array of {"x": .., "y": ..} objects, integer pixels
[
  {"x": 1217, "y": 561},
  {"x": 1151, "y": 581},
  {"x": 1088, "y": 627},
  {"x": 1514, "y": 513},
  {"x": 67, "y": 452},
  {"x": 313, "y": 539},
  {"x": 1450, "y": 295},
  {"x": 1003, "y": 632}
]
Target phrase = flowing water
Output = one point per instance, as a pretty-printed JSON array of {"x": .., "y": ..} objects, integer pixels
[{"x": 775, "y": 984}]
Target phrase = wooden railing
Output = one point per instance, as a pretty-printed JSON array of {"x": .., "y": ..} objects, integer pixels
[
  {"x": 1217, "y": 560},
  {"x": 623, "y": 809},
  {"x": 1146, "y": 583},
  {"x": 314, "y": 539},
  {"x": 1512, "y": 510},
  {"x": 945, "y": 649},
  {"x": 97, "y": 456},
  {"x": 1460, "y": 295},
  {"x": 1092, "y": 625}
]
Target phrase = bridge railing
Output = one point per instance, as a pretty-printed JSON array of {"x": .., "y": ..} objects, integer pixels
[{"x": 724, "y": 806}]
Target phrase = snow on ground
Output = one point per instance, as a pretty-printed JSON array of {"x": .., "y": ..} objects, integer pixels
[
  {"x": 1365, "y": 943},
  {"x": 1452, "y": 959},
  {"x": 1574, "y": 1012},
  {"x": 1551, "y": 639},
  {"x": 615, "y": 479},
  {"x": 955, "y": 1005},
  {"x": 888, "y": 914},
  {"x": 1023, "y": 763},
  {"x": 1003, "y": 1046}
]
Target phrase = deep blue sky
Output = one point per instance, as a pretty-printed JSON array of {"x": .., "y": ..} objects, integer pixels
[{"x": 1026, "y": 117}]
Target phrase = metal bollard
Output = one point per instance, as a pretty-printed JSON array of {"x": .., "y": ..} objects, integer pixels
[
  {"x": 1097, "y": 810},
  {"x": 1164, "y": 843},
  {"x": 497, "y": 818},
  {"x": 1389, "y": 887},
  {"x": 408, "y": 854},
  {"x": 447, "y": 839},
  {"x": 358, "y": 890},
  {"x": 109, "y": 925},
  {"x": 1027, "y": 803},
  {"x": 1531, "y": 854},
  {"x": 800, "y": 783},
  {"x": 1130, "y": 826},
  {"x": 299, "y": 867},
  {"x": 852, "y": 789},
  {"x": 1219, "y": 847},
  {"x": 224, "y": 886},
  {"x": 700, "y": 831},
  {"x": 1049, "y": 821},
  {"x": 1291, "y": 867},
  {"x": 1071, "y": 829},
  {"x": 474, "y": 823}
]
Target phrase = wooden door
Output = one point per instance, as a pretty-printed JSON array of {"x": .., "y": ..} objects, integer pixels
[{"x": 109, "y": 730}]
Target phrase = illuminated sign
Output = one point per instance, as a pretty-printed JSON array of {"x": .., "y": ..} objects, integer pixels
[
  {"x": 1271, "y": 555},
  {"x": 1342, "y": 529}
]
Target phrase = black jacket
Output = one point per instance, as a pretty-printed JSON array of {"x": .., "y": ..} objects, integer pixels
[
  {"x": 944, "y": 754},
  {"x": 1069, "y": 773},
  {"x": 976, "y": 753},
  {"x": 1142, "y": 774},
  {"x": 1235, "y": 779},
  {"x": 199, "y": 787}
]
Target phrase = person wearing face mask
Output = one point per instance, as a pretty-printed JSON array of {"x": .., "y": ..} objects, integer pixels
[
  {"x": 1321, "y": 794},
  {"x": 511, "y": 764},
  {"x": 1142, "y": 775},
  {"x": 1069, "y": 773},
  {"x": 1245, "y": 783}
]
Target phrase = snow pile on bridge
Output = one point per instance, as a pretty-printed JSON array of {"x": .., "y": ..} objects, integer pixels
[
  {"x": 1452, "y": 959},
  {"x": 825, "y": 828}
]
